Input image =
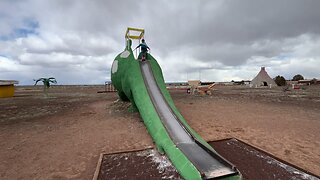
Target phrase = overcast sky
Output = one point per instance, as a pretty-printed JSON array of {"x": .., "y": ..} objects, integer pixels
[{"x": 76, "y": 41}]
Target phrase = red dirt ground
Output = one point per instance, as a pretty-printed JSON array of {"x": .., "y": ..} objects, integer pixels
[{"x": 61, "y": 136}]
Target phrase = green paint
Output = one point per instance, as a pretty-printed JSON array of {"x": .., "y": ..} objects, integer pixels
[{"x": 127, "y": 78}]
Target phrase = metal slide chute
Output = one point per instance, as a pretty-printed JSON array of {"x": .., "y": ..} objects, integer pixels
[{"x": 209, "y": 164}]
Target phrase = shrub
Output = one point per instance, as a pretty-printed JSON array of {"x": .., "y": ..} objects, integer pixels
[
  {"x": 297, "y": 77},
  {"x": 280, "y": 80}
]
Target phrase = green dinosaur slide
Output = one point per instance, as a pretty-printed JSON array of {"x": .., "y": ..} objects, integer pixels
[{"x": 142, "y": 83}]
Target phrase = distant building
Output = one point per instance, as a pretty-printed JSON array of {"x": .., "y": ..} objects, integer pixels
[
  {"x": 176, "y": 83},
  {"x": 246, "y": 82},
  {"x": 263, "y": 79},
  {"x": 309, "y": 81},
  {"x": 243, "y": 82},
  {"x": 289, "y": 82},
  {"x": 225, "y": 83},
  {"x": 206, "y": 83},
  {"x": 7, "y": 88}
]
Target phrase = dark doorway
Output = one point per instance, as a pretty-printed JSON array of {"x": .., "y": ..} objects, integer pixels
[{"x": 264, "y": 83}]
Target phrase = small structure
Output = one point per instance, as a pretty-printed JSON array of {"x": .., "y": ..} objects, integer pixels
[
  {"x": 193, "y": 86},
  {"x": 7, "y": 88},
  {"x": 202, "y": 88},
  {"x": 194, "y": 83},
  {"x": 242, "y": 82},
  {"x": 309, "y": 82},
  {"x": 263, "y": 79}
]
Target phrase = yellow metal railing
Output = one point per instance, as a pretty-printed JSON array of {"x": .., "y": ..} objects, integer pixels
[{"x": 139, "y": 36}]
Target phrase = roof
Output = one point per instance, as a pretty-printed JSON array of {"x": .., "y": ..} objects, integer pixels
[{"x": 8, "y": 82}]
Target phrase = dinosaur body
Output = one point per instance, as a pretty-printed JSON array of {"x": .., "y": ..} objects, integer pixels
[{"x": 127, "y": 78}]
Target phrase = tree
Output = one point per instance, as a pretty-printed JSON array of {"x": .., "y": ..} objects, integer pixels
[
  {"x": 46, "y": 83},
  {"x": 297, "y": 77},
  {"x": 314, "y": 81},
  {"x": 280, "y": 80}
]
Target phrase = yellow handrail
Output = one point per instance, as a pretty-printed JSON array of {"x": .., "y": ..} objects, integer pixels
[{"x": 129, "y": 29}]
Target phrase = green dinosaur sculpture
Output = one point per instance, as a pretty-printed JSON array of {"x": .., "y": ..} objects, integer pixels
[{"x": 127, "y": 78}]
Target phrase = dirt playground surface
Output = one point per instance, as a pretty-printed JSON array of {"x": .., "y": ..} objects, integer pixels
[
  {"x": 60, "y": 136},
  {"x": 266, "y": 167},
  {"x": 143, "y": 165}
]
